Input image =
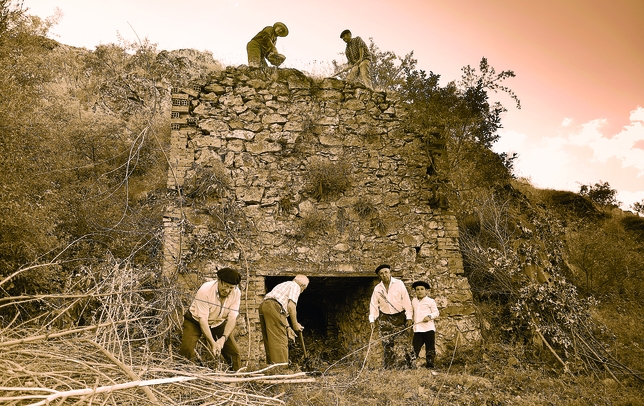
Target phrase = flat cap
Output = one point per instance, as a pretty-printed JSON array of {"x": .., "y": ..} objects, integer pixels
[
  {"x": 381, "y": 267},
  {"x": 229, "y": 275},
  {"x": 420, "y": 283}
]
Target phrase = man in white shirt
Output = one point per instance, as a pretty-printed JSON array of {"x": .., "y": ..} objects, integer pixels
[
  {"x": 391, "y": 307},
  {"x": 213, "y": 314},
  {"x": 276, "y": 312},
  {"x": 425, "y": 311}
]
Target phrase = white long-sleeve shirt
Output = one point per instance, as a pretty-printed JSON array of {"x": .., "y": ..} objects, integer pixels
[
  {"x": 391, "y": 301},
  {"x": 423, "y": 308}
]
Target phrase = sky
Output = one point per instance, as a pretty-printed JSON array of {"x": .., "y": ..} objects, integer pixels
[{"x": 579, "y": 64}]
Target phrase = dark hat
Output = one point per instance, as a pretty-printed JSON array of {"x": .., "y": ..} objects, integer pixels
[
  {"x": 345, "y": 32},
  {"x": 278, "y": 24},
  {"x": 229, "y": 275},
  {"x": 381, "y": 267},
  {"x": 420, "y": 283}
]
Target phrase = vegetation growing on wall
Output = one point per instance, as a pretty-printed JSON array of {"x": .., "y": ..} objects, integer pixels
[{"x": 326, "y": 179}]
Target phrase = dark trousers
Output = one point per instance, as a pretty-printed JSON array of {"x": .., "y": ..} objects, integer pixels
[
  {"x": 192, "y": 333},
  {"x": 428, "y": 339},
  {"x": 395, "y": 343},
  {"x": 256, "y": 56},
  {"x": 274, "y": 331}
]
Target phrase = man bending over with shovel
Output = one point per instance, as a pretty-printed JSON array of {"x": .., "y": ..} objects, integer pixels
[
  {"x": 213, "y": 314},
  {"x": 275, "y": 313}
]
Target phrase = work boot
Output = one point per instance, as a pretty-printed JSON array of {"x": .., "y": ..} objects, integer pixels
[{"x": 430, "y": 361}]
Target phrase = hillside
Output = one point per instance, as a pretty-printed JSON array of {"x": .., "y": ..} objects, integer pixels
[{"x": 85, "y": 136}]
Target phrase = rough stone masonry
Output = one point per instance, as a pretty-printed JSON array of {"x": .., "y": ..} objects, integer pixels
[{"x": 276, "y": 173}]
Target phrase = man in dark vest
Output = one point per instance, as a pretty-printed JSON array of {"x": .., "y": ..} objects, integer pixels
[{"x": 262, "y": 46}]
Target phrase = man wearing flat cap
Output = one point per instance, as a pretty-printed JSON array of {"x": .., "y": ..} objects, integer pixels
[
  {"x": 276, "y": 312},
  {"x": 213, "y": 314},
  {"x": 262, "y": 46},
  {"x": 359, "y": 58},
  {"x": 391, "y": 308}
]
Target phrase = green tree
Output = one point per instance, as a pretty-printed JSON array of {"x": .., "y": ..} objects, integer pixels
[
  {"x": 458, "y": 126},
  {"x": 388, "y": 70},
  {"x": 82, "y": 149},
  {"x": 638, "y": 207},
  {"x": 25, "y": 231},
  {"x": 600, "y": 193}
]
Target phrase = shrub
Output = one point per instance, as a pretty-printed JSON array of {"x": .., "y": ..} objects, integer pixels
[
  {"x": 635, "y": 225},
  {"x": 327, "y": 179},
  {"x": 564, "y": 201},
  {"x": 207, "y": 181},
  {"x": 312, "y": 223},
  {"x": 364, "y": 209},
  {"x": 379, "y": 226},
  {"x": 285, "y": 204},
  {"x": 600, "y": 193}
]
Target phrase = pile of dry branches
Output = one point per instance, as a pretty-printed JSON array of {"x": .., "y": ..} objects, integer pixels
[
  {"x": 117, "y": 355},
  {"x": 81, "y": 371}
]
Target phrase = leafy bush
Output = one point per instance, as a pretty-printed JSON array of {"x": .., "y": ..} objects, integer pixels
[
  {"x": 569, "y": 202},
  {"x": 600, "y": 193},
  {"x": 635, "y": 225}
]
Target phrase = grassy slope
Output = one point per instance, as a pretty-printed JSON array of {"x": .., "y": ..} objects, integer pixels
[
  {"x": 491, "y": 374},
  {"x": 497, "y": 372}
]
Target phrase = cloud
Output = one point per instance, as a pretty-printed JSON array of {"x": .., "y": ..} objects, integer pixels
[
  {"x": 581, "y": 154},
  {"x": 637, "y": 114},
  {"x": 628, "y": 198}
]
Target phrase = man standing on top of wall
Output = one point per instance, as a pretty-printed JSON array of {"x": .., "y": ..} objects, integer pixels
[
  {"x": 262, "y": 46},
  {"x": 359, "y": 58},
  {"x": 275, "y": 313},
  {"x": 391, "y": 306},
  {"x": 213, "y": 313}
]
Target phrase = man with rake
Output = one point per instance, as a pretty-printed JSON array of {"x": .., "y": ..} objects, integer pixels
[
  {"x": 213, "y": 314},
  {"x": 391, "y": 307},
  {"x": 358, "y": 57}
]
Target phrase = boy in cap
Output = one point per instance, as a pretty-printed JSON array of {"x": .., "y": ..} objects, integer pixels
[
  {"x": 262, "y": 46},
  {"x": 213, "y": 313},
  {"x": 425, "y": 311}
]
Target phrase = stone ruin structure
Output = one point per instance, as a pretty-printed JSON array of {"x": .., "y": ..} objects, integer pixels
[{"x": 276, "y": 173}]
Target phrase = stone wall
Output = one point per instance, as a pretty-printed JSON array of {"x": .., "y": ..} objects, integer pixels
[{"x": 278, "y": 174}]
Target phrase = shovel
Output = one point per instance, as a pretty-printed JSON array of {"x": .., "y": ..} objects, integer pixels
[
  {"x": 299, "y": 334},
  {"x": 307, "y": 363}
]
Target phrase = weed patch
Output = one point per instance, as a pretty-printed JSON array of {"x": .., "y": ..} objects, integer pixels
[{"x": 328, "y": 179}]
